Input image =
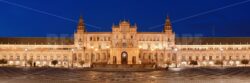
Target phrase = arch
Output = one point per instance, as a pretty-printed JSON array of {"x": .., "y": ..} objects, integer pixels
[{"x": 124, "y": 57}]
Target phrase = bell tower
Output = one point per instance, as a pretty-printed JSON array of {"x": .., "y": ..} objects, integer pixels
[
  {"x": 79, "y": 34},
  {"x": 169, "y": 33}
]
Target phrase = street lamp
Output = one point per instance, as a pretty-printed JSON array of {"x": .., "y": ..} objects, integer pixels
[
  {"x": 91, "y": 55},
  {"x": 221, "y": 50},
  {"x": 73, "y": 57},
  {"x": 108, "y": 47},
  {"x": 106, "y": 57},
  {"x": 96, "y": 49},
  {"x": 175, "y": 50},
  {"x": 140, "y": 54},
  {"x": 140, "y": 47},
  {"x": 25, "y": 57},
  {"x": 97, "y": 55},
  {"x": 153, "y": 57}
]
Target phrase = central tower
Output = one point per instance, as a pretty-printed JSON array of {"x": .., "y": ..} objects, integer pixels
[{"x": 124, "y": 44}]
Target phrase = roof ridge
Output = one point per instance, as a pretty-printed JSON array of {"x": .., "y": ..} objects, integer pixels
[
  {"x": 212, "y": 37},
  {"x": 36, "y": 37}
]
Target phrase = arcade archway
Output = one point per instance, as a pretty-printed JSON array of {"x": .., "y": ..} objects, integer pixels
[{"x": 124, "y": 58}]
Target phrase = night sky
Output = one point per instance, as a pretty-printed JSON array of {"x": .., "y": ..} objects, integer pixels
[{"x": 40, "y": 18}]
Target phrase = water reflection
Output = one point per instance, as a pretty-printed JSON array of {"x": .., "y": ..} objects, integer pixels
[{"x": 191, "y": 75}]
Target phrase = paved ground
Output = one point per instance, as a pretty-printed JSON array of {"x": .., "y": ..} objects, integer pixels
[{"x": 190, "y": 75}]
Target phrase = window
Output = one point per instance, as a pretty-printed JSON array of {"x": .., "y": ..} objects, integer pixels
[
  {"x": 224, "y": 58},
  {"x": 149, "y": 57},
  {"x": 4, "y": 56},
  {"x": 217, "y": 57},
  {"x": 38, "y": 57},
  {"x": 31, "y": 57},
  {"x": 58, "y": 57},
  {"x": 99, "y": 46},
  {"x": 237, "y": 57},
  {"x": 17, "y": 57},
  {"x": 11, "y": 57},
  {"x": 190, "y": 58},
  {"x": 210, "y": 58},
  {"x": 98, "y": 38},
  {"x": 183, "y": 58},
  {"x": 124, "y": 44},
  {"x": 80, "y": 56},
  {"x": 203, "y": 57},
  {"x": 45, "y": 57},
  {"x": 51, "y": 57},
  {"x": 90, "y": 38},
  {"x": 65, "y": 58}
]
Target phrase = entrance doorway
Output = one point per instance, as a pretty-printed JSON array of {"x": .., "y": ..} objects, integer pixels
[
  {"x": 134, "y": 60},
  {"x": 124, "y": 58},
  {"x": 114, "y": 60}
]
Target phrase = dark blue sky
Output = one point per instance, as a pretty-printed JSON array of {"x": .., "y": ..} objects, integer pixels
[{"x": 39, "y": 18}]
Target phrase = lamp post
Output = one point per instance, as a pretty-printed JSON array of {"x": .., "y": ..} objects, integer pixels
[
  {"x": 25, "y": 57},
  {"x": 176, "y": 58},
  {"x": 140, "y": 54},
  {"x": 221, "y": 56},
  {"x": 96, "y": 50},
  {"x": 106, "y": 57},
  {"x": 152, "y": 56},
  {"x": 91, "y": 56},
  {"x": 73, "y": 57}
]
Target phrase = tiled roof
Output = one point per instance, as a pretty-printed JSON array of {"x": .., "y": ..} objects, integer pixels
[
  {"x": 212, "y": 40},
  {"x": 37, "y": 40},
  {"x": 178, "y": 40}
]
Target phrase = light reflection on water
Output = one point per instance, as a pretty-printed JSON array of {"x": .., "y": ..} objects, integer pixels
[{"x": 195, "y": 75}]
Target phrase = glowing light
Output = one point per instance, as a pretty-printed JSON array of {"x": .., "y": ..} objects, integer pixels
[
  {"x": 124, "y": 55},
  {"x": 11, "y": 62},
  {"x": 205, "y": 63},
  {"x": 175, "y": 69},
  {"x": 17, "y": 62},
  {"x": 211, "y": 62},
  {"x": 152, "y": 49},
  {"x": 221, "y": 49},
  {"x": 175, "y": 49},
  {"x": 231, "y": 62},
  {"x": 237, "y": 62},
  {"x": 108, "y": 47},
  {"x": 37, "y": 62},
  {"x": 184, "y": 63}
]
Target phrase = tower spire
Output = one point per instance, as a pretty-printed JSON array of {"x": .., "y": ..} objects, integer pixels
[
  {"x": 168, "y": 25},
  {"x": 81, "y": 26}
]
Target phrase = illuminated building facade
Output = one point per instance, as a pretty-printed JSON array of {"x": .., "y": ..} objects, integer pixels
[{"x": 124, "y": 45}]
